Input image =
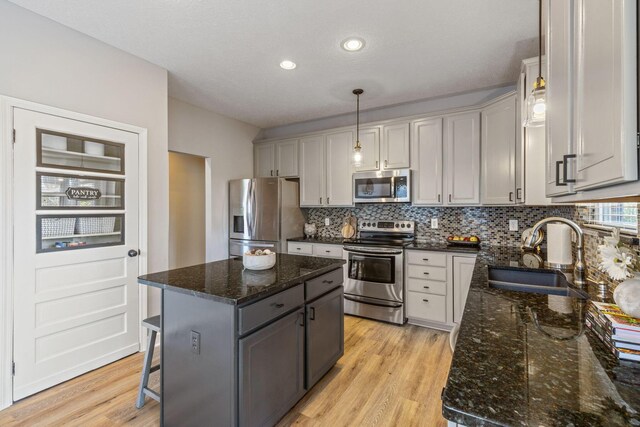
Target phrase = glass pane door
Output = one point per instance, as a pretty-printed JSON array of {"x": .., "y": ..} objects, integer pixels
[
  {"x": 64, "y": 232},
  {"x": 65, "y": 151},
  {"x": 372, "y": 269},
  {"x": 58, "y": 191}
]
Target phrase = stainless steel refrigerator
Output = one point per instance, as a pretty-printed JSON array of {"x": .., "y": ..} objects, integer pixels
[{"x": 263, "y": 213}]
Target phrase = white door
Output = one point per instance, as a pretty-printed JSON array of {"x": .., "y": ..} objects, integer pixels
[
  {"x": 462, "y": 274},
  {"x": 395, "y": 146},
  {"x": 312, "y": 178},
  {"x": 75, "y": 221},
  {"x": 559, "y": 91},
  {"x": 463, "y": 158},
  {"x": 339, "y": 168},
  {"x": 499, "y": 153},
  {"x": 287, "y": 158},
  {"x": 264, "y": 160},
  {"x": 370, "y": 142},
  {"x": 426, "y": 154},
  {"x": 606, "y": 94}
]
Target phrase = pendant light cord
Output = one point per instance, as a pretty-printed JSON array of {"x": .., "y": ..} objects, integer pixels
[
  {"x": 358, "y": 118},
  {"x": 539, "y": 43}
]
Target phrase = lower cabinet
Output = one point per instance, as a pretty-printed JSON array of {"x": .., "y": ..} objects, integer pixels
[
  {"x": 324, "y": 250},
  {"x": 325, "y": 335},
  {"x": 436, "y": 285},
  {"x": 271, "y": 370}
]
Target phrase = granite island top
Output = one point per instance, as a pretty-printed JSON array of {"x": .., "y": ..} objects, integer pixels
[
  {"x": 525, "y": 359},
  {"x": 227, "y": 281}
]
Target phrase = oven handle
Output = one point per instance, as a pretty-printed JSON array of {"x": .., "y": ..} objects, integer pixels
[
  {"x": 360, "y": 251},
  {"x": 390, "y": 305}
]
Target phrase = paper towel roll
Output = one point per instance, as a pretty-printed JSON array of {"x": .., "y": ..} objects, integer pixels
[{"x": 559, "y": 244}]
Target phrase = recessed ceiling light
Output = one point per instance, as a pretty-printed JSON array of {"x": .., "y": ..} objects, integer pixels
[
  {"x": 353, "y": 44},
  {"x": 287, "y": 65}
]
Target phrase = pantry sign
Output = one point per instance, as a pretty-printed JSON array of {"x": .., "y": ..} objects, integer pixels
[{"x": 83, "y": 193}]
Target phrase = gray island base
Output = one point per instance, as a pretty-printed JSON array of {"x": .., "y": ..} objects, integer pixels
[{"x": 242, "y": 347}]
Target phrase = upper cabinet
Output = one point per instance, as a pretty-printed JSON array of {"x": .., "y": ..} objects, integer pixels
[
  {"x": 394, "y": 150},
  {"x": 370, "y": 142},
  {"x": 606, "y": 93},
  {"x": 426, "y": 153},
  {"x": 276, "y": 159},
  {"x": 591, "y": 95},
  {"x": 499, "y": 152},
  {"x": 326, "y": 169},
  {"x": 462, "y": 148}
]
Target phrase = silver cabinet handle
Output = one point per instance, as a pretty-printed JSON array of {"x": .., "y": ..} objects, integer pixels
[
  {"x": 277, "y": 172},
  {"x": 385, "y": 163},
  {"x": 327, "y": 200},
  {"x": 449, "y": 198},
  {"x": 519, "y": 193},
  {"x": 377, "y": 165},
  {"x": 426, "y": 273},
  {"x": 438, "y": 198},
  {"x": 320, "y": 200},
  {"x": 426, "y": 287},
  {"x": 425, "y": 300},
  {"x": 425, "y": 259},
  {"x": 565, "y": 162},
  {"x": 511, "y": 196},
  {"x": 271, "y": 173}
]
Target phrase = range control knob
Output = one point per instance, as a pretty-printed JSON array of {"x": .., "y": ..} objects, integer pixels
[
  {"x": 397, "y": 225},
  {"x": 368, "y": 224},
  {"x": 409, "y": 225},
  {"x": 402, "y": 226},
  {"x": 374, "y": 224}
]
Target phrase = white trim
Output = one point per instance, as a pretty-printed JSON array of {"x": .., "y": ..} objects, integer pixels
[
  {"x": 208, "y": 210},
  {"x": 7, "y": 104}
]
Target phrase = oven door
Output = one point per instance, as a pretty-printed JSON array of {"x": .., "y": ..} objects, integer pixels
[{"x": 374, "y": 273}]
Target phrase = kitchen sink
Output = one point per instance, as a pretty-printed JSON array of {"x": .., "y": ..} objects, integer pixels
[{"x": 540, "y": 282}]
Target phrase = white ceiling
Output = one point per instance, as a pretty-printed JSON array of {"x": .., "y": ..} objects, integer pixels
[{"x": 223, "y": 55}]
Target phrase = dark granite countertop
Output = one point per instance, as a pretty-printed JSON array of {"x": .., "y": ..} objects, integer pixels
[
  {"x": 525, "y": 359},
  {"x": 227, "y": 281},
  {"x": 321, "y": 240},
  {"x": 442, "y": 247}
]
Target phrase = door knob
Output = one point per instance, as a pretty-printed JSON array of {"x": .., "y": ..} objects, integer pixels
[{"x": 133, "y": 253}]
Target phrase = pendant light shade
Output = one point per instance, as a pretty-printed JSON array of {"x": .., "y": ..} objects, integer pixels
[
  {"x": 357, "y": 149},
  {"x": 536, "y": 101}
]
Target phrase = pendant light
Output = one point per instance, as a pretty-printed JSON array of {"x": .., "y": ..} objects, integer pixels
[
  {"x": 536, "y": 105},
  {"x": 357, "y": 149}
]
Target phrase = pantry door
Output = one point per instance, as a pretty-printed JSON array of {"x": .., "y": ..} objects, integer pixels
[{"x": 75, "y": 248}]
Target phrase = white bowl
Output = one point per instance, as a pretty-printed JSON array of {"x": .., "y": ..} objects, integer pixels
[{"x": 258, "y": 262}]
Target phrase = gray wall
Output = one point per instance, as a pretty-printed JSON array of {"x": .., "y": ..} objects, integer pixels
[
  {"x": 385, "y": 113},
  {"x": 45, "y": 62}
]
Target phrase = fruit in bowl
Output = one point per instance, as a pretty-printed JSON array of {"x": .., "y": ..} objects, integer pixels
[
  {"x": 464, "y": 239},
  {"x": 259, "y": 259}
]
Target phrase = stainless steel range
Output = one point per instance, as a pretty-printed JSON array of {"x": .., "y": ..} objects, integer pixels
[{"x": 374, "y": 282}]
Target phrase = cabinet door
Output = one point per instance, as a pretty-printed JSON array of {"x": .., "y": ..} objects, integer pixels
[
  {"x": 325, "y": 335},
  {"x": 499, "y": 152},
  {"x": 463, "y": 158},
  {"x": 606, "y": 94},
  {"x": 312, "y": 178},
  {"x": 462, "y": 274},
  {"x": 287, "y": 158},
  {"x": 339, "y": 169},
  {"x": 426, "y": 156},
  {"x": 271, "y": 371},
  {"x": 395, "y": 146},
  {"x": 520, "y": 142},
  {"x": 370, "y": 142},
  {"x": 264, "y": 160},
  {"x": 559, "y": 114}
]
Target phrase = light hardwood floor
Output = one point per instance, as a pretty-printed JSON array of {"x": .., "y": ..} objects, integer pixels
[{"x": 389, "y": 376}]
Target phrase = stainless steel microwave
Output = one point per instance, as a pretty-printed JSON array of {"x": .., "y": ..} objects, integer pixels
[{"x": 390, "y": 186}]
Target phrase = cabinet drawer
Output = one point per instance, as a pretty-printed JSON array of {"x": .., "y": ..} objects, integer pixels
[
  {"x": 261, "y": 312},
  {"x": 430, "y": 273},
  {"x": 323, "y": 284},
  {"x": 427, "y": 286},
  {"x": 300, "y": 248},
  {"x": 426, "y": 307},
  {"x": 435, "y": 259},
  {"x": 331, "y": 251}
]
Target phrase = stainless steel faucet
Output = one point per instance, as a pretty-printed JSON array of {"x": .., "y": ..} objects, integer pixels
[{"x": 579, "y": 267}]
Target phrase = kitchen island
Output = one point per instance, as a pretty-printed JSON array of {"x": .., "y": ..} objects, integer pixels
[
  {"x": 241, "y": 347},
  {"x": 527, "y": 359}
]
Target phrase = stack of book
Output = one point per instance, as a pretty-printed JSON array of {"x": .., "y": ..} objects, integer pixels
[{"x": 619, "y": 332}]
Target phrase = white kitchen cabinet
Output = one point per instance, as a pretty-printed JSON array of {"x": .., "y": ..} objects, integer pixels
[
  {"x": 462, "y": 274},
  {"x": 428, "y": 289},
  {"x": 426, "y": 156},
  {"x": 606, "y": 93},
  {"x": 317, "y": 249},
  {"x": 276, "y": 159},
  {"x": 264, "y": 160},
  {"x": 462, "y": 154},
  {"x": 339, "y": 168},
  {"x": 499, "y": 152},
  {"x": 312, "y": 171},
  {"x": 395, "y": 148},
  {"x": 559, "y": 81},
  {"x": 286, "y": 158},
  {"x": 370, "y": 142}
]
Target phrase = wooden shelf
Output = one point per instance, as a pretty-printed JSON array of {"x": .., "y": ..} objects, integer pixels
[{"x": 75, "y": 236}]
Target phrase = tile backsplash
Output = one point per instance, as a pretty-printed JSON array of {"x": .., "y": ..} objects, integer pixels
[{"x": 491, "y": 224}]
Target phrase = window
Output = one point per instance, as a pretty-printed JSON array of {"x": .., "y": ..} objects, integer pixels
[{"x": 621, "y": 215}]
